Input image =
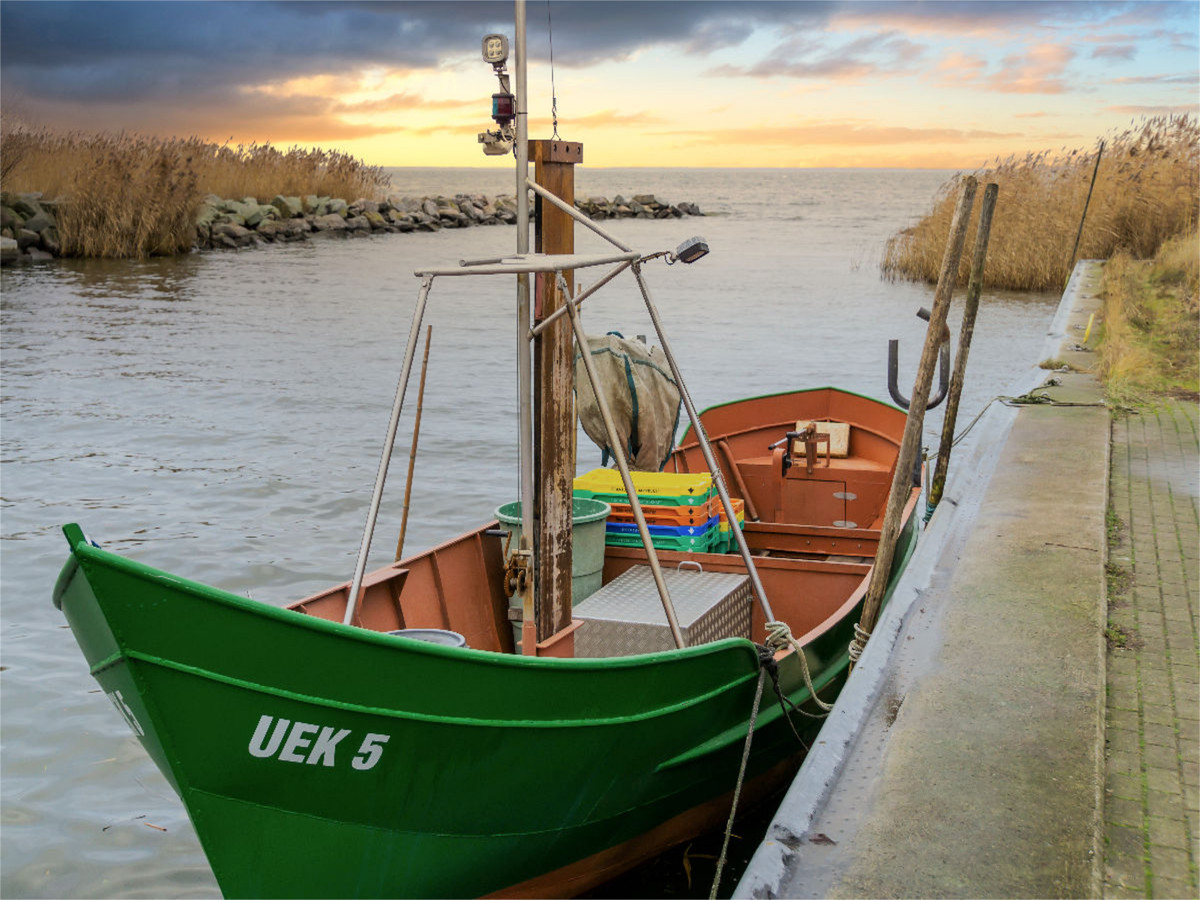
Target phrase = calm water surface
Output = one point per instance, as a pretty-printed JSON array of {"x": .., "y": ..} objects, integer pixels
[{"x": 221, "y": 415}]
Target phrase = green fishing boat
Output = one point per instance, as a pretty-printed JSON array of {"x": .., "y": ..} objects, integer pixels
[
  {"x": 465, "y": 721},
  {"x": 319, "y": 759}
]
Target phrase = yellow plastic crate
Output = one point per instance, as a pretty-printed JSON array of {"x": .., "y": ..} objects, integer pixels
[
  {"x": 691, "y": 487},
  {"x": 739, "y": 511}
]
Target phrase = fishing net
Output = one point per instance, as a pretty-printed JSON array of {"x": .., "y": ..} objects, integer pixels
[{"x": 642, "y": 397}]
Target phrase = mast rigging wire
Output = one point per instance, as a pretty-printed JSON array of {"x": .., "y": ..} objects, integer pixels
[{"x": 553, "y": 93}]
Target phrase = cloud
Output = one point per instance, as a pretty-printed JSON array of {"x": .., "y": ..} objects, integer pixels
[
  {"x": 1181, "y": 110},
  {"x": 127, "y": 49},
  {"x": 959, "y": 67},
  {"x": 403, "y": 101},
  {"x": 814, "y": 56},
  {"x": 845, "y": 133},
  {"x": 1115, "y": 51},
  {"x": 1008, "y": 17},
  {"x": 1039, "y": 71},
  {"x": 1188, "y": 79}
]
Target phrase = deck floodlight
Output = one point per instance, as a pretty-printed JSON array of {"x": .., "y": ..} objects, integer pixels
[
  {"x": 690, "y": 250},
  {"x": 495, "y": 49}
]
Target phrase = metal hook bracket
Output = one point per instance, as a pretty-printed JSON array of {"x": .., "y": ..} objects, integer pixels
[{"x": 943, "y": 369}]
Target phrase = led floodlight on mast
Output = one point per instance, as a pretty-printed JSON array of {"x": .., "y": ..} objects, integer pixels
[{"x": 504, "y": 104}]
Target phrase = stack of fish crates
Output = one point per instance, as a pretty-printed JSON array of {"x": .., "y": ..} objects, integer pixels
[
  {"x": 726, "y": 540},
  {"x": 683, "y": 511}
]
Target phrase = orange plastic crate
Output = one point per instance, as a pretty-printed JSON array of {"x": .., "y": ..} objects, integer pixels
[{"x": 667, "y": 515}]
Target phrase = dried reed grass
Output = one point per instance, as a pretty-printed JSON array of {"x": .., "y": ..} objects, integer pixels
[
  {"x": 134, "y": 196},
  {"x": 1147, "y": 190}
]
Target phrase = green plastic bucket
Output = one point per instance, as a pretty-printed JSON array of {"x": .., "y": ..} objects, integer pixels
[{"x": 588, "y": 518}]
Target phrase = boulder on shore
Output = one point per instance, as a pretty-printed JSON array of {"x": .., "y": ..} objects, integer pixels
[{"x": 29, "y": 224}]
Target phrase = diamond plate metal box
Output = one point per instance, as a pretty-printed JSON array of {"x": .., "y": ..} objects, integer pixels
[{"x": 626, "y": 616}]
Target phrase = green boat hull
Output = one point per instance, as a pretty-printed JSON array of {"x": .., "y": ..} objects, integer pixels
[{"x": 320, "y": 760}]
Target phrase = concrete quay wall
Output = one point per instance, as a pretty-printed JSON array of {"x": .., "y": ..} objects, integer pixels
[{"x": 966, "y": 756}]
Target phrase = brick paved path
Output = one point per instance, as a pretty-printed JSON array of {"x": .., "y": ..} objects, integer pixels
[{"x": 1152, "y": 805}]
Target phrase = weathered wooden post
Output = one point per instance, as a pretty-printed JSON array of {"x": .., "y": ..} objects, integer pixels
[
  {"x": 902, "y": 480},
  {"x": 554, "y": 407},
  {"x": 412, "y": 453},
  {"x": 966, "y": 333},
  {"x": 1083, "y": 215}
]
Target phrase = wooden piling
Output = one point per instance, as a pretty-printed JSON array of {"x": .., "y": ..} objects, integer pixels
[
  {"x": 911, "y": 443},
  {"x": 554, "y": 407},
  {"x": 966, "y": 333}
]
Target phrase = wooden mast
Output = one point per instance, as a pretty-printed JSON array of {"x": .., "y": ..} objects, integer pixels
[{"x": 553, "y": 405}]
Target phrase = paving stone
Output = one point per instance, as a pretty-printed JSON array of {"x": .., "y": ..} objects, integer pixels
[
  {"x": 1125, "y": 763},
  {"x": 1189, "y": 750},
  {"x": 1125, "y": 616},
  {"x": 1164, "y": 805},
  {"x": 1123, "y": 741},
  {"x": 1173, "y": 889},
  {"x": 1162, "y": 735},
  {"x": 1117, "y": 891},
  {"x": 1119, "y": 784},
  {"x": 1121, "y": 811},
  {"x": 1122, "y": 719},
  {"x": 1165, "y": 780},
  {"x": 1168, "y": 849},
  {"x": 1157, "y": 694},
  {"x": 1124, "y": 665},
  {"x": 1158, "y": 757}
]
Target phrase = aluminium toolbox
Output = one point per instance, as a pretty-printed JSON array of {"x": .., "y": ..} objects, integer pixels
[{"x": 626, "y": 617}]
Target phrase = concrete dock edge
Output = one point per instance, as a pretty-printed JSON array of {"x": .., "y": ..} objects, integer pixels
[{"x": 865, "y": 815}]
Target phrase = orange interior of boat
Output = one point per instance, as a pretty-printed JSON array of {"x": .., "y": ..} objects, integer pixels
[{"x": 812, "y": 524}]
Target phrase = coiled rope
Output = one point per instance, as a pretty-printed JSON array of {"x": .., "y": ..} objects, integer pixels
[
  {"x": 859, "y": 644},
  {"x": 779, "y": 637}
]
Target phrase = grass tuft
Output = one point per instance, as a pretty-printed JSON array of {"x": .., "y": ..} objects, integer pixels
[{"x": 1150, "y": 344}]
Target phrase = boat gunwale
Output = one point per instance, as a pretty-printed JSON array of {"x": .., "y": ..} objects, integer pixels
[
  {"x": 829, "y": 387},
  {"x": 394, "y": 713},
  {"x": 83, "y": 552}
]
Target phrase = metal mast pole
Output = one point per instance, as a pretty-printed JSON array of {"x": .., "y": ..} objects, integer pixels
[{"x": 524, "y": 351}]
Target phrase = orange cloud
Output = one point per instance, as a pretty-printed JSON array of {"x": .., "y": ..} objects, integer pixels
[
  {"x": 851, "y": 134},
  {"x": 403, "y": 101},
  {"x": 1181, "y": 110},
  {"x": 1040, "y": 71},
  {"x": 962, "y": 67},
  {"x": 609, "y": 117}
]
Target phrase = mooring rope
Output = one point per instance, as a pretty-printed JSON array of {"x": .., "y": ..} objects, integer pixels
[
  {"x": 779, "y": 637},
  {"x": 737, "y": 790},
  {"x": 859, "y": 644}
]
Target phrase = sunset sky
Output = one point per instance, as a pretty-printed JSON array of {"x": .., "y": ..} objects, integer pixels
[{"x": 933, "y": 84}]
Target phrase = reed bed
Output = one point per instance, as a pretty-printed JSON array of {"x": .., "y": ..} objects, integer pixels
[
  {"x": 133, "y": 196},
  {"x": 1151, "y": 320},
  {"x": 1147, "y": 191}
]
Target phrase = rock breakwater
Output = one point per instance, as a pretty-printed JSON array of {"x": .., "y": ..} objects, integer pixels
[{"x": 29, "y": 225}]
